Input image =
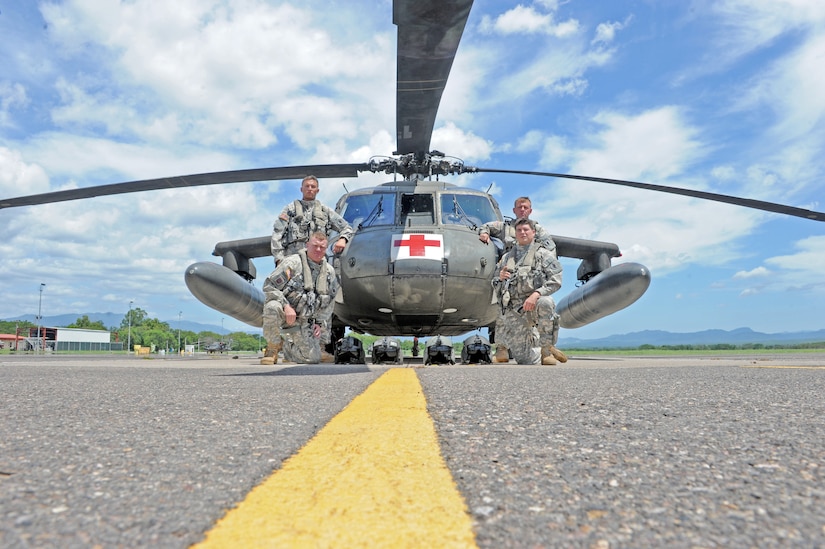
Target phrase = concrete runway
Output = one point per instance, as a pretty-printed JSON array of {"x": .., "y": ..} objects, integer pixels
[{"x": 104, "y": 451}]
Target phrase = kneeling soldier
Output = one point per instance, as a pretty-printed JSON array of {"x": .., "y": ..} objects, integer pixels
[
  {"x": 300, "y": 297},
  {"x": 523, "y": 281}
]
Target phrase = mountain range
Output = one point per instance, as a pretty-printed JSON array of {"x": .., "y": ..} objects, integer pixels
[
  {"x": 657, "y": 338},
  {"x": 111, "y": 320},
  {"x": 739, "y": 336}
]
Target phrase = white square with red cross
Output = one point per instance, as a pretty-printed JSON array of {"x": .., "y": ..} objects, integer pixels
[{"x": 417, "y": 246}]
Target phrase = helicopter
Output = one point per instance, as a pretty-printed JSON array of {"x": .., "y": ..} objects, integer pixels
[{"x": 387, "y": 287}]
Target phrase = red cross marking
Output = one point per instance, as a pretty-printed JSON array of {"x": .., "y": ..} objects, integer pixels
[{"x": 418, "y": 244}]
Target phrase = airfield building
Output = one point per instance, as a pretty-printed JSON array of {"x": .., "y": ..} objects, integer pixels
[{"x": 68, "y": 339}]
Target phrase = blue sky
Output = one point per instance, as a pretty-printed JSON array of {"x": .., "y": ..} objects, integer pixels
[{"x": 725, "y": 96}]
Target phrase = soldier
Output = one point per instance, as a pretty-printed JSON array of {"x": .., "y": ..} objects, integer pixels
[
  {"x": 300, "y": 218},
  {"x": 300, "y": 296},
  {"x": 523, "y": 281},
  {"x": 505, "y": 230}
]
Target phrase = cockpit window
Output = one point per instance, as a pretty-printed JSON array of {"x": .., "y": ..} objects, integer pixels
[
  {"x": 417, "y": 209},
  {"x": 416, "y": 204},
  {"x": 369, "y": 209},
  {"x": 466, "y": 209}
]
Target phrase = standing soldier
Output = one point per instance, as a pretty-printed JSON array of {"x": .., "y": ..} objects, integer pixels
[
  {"x": 299, "y": 299},
  {"x": 300, "y": 218},
  {"x": 523, "y": 280},
  {"x": 505, "y": 230}
]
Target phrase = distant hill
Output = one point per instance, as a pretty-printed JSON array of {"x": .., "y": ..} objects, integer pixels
[
  {"x": 112, "y": 320},
  {"x": 657, "y": 338}
]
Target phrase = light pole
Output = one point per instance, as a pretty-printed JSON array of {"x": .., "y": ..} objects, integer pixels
[
  {"x": 129, "y": 344},
  {"x": 40, "y": 316},
  {"x": 179, "y": 315}
]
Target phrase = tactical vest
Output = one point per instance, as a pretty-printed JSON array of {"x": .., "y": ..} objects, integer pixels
[
  {"x": 307, "y": 299},
  {"x": 522, "y": 281},
  {"x": 508, "y": 234},
  {"x": 303, "y": 222}
]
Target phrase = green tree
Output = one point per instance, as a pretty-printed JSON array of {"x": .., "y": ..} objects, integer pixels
[
  {"x": 155, "y": 324},
  {"x": 86, "y": 324},
  {"x": 137, "y": 316},
  {"x": 9, "y": 326}
]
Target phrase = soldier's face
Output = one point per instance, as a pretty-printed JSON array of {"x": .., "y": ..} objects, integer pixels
[
  {"x": 522, "y": 209},
  {"x": 316, "y": 249},
  {"x": 309, "y": 189},
  {"x": 525, "y": 234}
]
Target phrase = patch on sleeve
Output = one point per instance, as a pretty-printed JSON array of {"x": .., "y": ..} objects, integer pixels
[{"x": 282, "y": 279}]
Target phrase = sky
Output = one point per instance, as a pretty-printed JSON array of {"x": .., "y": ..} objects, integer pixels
[{"x": 726, "y": 96}]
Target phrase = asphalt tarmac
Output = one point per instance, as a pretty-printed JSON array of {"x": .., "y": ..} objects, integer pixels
[{"x": 107, "y": 451}]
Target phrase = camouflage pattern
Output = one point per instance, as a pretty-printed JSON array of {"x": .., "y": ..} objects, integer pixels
[
  {"x": 524, "y": 333},
  {"x": 298, "y": 220},
  {"x": 286, "y": 285},
  {"x": 506, "y": 232}
]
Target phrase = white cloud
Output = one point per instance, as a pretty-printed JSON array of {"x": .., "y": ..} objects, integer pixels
[
  {"x": 11, "y": 96},
  {"x": 527, "y": 20},
  {"x": 465, "y": 145},
  {"x": 606, "y": 32},
  {"x": 665, "y": 232},
  {"x": 809, "y": 256},
  {"x": 758, "y": 272},
  {"x": 16, "y": 174},
  {"x": 204, "y": 70}
]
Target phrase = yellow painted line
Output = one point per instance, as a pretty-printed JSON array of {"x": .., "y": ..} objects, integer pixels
[{"x": 372, "y": 477}]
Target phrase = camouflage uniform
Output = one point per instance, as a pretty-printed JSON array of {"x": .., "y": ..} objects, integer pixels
[
  {"x": 310, "y": 289},
  {"x": 506, "y": 232},
  {"x": 298, "y": 220},
  {"x": 524, "y": 333}
]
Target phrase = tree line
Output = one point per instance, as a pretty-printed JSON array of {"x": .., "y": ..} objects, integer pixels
[{"x": 150, "y": 332}]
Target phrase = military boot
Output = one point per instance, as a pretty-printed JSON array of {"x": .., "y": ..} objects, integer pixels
[
  {"x": 549, "y": 355},
  {"x": 557, "y": 354},
  {"x": 271, "y": 354},
  {"x": 502, "y": 354}
]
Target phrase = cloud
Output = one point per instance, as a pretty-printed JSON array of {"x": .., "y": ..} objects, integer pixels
[
  {"x": 606, "y": 32},
  {"x": 466, "y": 145},
  {"x": 11, "y": 96},
  {"x": 758, "y": 272},
  {"x": 794, "y": 272},
  {"x": 665, "y": 232},
  {"x": 16, "y": 174},
  {"x": 527, "y": 20}
]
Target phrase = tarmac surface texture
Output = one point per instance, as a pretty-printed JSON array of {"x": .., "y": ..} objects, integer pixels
[{"x": 710, "y": 451}]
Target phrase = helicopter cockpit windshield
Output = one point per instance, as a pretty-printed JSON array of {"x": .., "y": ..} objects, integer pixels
[
  {"x": 417, "y": 209},
  {"x": 471, "y": 210},
  {"x": 365, "y": 210}
]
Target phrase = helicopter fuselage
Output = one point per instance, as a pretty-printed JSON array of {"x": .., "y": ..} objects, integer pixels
[{"x": 415, "y": 265}]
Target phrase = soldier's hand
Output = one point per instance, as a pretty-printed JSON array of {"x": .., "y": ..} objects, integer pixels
[
  {"x": 484, "y": 237},
  {"x": 316, "y": 330},
  {"x": 289, "y": 315},
  {"x": 339, "y": 246},
  {"x": 504, "y": 274},
  {"x": 530, "y": 302}
]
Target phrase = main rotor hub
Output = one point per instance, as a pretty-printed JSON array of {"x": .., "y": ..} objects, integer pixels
[{"x": 430, "y": 164}]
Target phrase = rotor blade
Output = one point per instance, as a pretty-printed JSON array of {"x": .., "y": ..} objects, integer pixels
[
  {"x": 428, "y": 35},
  {"x": 735, "y": 200},
  {"x": 196, "y": 180}
]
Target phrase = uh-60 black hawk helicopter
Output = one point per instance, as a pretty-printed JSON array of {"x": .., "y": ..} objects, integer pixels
[{"x": 415, "y": 265}]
